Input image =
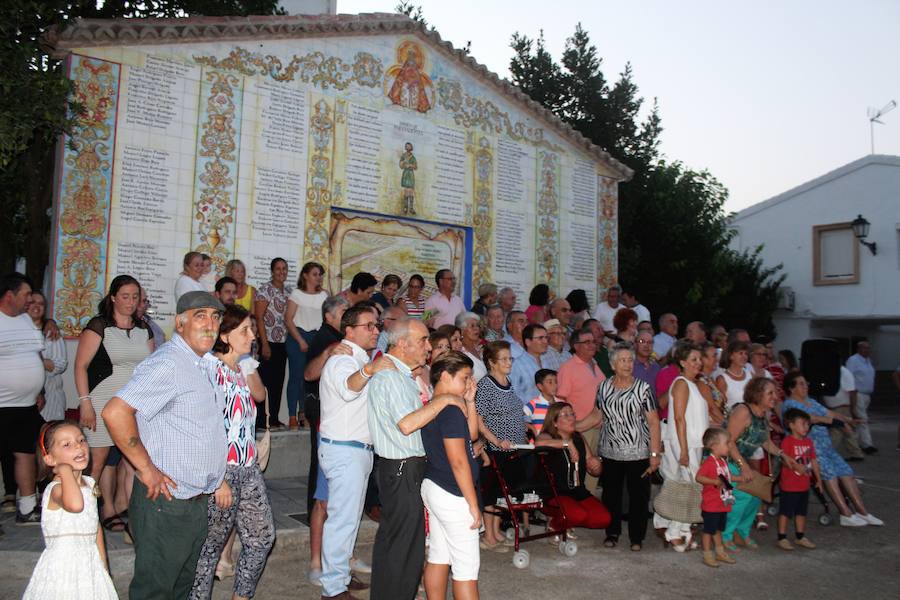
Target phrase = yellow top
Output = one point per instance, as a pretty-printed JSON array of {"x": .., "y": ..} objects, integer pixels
[{"x": 246, "y": 300}]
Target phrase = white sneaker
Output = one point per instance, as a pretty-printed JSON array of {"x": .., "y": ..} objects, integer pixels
[
  {"x": 359, "y": 566},
  {"x": 870, "y": 519},
  {"x": 853, "y": 521}
]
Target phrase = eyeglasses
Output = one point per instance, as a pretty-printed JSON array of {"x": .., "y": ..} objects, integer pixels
[
  {"x": 645, "y": 341},
  {"x": 539, "y": 337},
  {"x": 370, "y": 326},
  {"x": 592, "y": 342},
  {"x": 568, "y": 415},
  {"x": 508, "y": 359}
]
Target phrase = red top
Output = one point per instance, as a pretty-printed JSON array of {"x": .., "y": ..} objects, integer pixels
[
  {"x": 712, "y": 467},
  {"x": 803, "y": 451}
]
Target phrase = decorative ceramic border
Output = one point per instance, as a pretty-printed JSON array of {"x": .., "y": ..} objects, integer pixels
[
  {"x": 322, "y": 71},
  {"x": 607, "y": 234},
  {"x": 218, "y": 148},
  {"x": 79, "y": 278},
  {"x": 318, "y": 190},
  {"x": 547, "y": 219},
  {"x": 483, "y": 202}
]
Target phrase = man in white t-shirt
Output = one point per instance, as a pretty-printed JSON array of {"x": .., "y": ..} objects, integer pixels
[
  {"x": 22, "y": 371},
  {"x": 844, "y": 404},
  {"x": 631, "y": 301},
  {"x": 607, "y": 309}
]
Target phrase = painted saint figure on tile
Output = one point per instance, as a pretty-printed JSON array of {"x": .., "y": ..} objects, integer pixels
[
  {"x": 412, "y": 86},
  {"x": 408, "y": 166}
]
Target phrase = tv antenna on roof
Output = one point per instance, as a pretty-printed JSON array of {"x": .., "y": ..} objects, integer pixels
[{"x": 874, "y": 115}]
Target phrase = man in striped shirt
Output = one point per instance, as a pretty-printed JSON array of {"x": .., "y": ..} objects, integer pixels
[{"x": 396, "y": 415}]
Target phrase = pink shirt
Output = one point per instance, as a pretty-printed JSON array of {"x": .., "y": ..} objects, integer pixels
[
  {"x": 663, "y": 382},
  {"x": 578, "y": 383},
  {"x": 448, "y": 309}
]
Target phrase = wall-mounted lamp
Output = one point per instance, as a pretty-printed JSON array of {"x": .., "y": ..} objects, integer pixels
[{"x": 861, "y": 230}]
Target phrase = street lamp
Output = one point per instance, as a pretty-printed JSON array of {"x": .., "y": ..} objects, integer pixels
[{"x": 861, "y": 230}]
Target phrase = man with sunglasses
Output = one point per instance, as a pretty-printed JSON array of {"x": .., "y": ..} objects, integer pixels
[
  {"x": 345, "y": 448},
  {"x": 579, "y": 377}
]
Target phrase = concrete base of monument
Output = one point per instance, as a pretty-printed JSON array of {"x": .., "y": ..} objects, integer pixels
[{"x": 289, "y": 456}]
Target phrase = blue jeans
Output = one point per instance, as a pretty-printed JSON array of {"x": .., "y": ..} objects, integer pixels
[
  {"x": 296, "y": 387},
  {"x": 347, "y": 471}
]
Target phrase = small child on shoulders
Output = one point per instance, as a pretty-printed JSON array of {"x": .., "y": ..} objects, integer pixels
[
  {"x": 717, "y": 496},
  {"x": 536, "y": 408},
  {"x": 794, "y": 498}
]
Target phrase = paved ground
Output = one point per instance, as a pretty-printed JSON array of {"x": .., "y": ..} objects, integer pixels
[{"x": 849, "y": 563}]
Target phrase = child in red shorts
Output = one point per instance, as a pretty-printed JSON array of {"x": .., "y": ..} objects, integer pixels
[
  {"x": 717, "y": 496},
  {"x": 794, "y": 497}
]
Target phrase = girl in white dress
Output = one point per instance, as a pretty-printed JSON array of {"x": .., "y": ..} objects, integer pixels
[{"x": 73, "y": 564}]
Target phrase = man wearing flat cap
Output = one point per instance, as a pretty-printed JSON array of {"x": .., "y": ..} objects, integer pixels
[{"x": 168, "y": 422}]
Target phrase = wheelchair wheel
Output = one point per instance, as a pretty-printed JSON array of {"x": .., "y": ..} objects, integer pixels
[
  {"x": 568, "y": 548},
  {"x": 510, "y": 534},
  {"x": 825, "y": 520},
  {"x": 521, "y": 559},
  {"x": 772, "y": 510}
]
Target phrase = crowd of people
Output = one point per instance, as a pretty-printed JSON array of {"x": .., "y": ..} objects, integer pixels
[{"x": 414, "y": 405}]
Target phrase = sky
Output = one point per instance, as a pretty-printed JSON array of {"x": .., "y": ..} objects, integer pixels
[{"x": 766, "y": 95}]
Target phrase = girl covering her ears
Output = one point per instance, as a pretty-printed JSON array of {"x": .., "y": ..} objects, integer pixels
[{"x": 73, "y": 564}]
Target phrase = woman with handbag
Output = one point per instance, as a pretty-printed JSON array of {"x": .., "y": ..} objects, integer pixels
[
  {"x": 748, "y": 425},
  {"x": 682, "y": 434},
  {"x": 244, "y": 502}
]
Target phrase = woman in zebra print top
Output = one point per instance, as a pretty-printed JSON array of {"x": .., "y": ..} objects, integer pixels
[{"x": 629, "y": 444}]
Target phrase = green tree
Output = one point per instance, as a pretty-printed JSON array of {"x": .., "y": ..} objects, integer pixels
[
  {"x": 35, "y": 108},
  {"x": 673, "y": 231}
]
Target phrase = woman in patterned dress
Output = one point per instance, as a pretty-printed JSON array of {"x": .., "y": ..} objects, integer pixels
[
  {"x": 836, "y": 473},
  {"x": 242, "y": 501},
  {"x": 271, "y": 303},
  {"x": 109, "y": 348},
  {"x": 502, "y": 423},
  {"x": 629, "y": 444}
]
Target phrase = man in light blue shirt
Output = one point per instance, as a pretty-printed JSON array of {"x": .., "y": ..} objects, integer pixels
[
  {"x": 396, "y": 414},
  {"x": 167, "y": 421},
  {"x": 527, "y": 364},
  {"x": 860, "y": 364},
  {"x": 516, "y": 321}
]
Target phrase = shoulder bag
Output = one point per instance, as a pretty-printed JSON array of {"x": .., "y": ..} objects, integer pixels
[{"x": 680, "y": 497}]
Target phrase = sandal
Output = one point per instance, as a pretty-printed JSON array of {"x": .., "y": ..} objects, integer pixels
[
  {"x": 611, "y": 541},
  {"x": 114, "y": 523},
  {"x": 730, "y": 546}
]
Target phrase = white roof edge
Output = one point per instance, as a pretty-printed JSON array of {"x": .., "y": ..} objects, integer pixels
[{"x": 865, "y": 161}]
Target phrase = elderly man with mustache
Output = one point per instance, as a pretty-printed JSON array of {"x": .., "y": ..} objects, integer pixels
[{"x": 167, "y": 421}]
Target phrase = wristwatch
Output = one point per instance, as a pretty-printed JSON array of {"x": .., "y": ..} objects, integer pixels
[{"x": 654, "y": 455}]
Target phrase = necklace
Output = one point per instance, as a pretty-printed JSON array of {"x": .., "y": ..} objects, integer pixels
[{"x": 739, "y": 375}]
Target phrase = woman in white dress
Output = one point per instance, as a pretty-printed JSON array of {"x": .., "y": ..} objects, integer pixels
[
  {"x": 109, "y": 348},
  {"x": 73, "y": 564},
  {"x": 56, "y": 361},
  {"x": 682, "y": 434}
]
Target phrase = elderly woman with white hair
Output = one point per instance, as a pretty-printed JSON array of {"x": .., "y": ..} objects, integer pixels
[
  {"x": 470, "y": 325},
  {"x": 487, "y": 297},
  {"x": 629, "y": 444}
]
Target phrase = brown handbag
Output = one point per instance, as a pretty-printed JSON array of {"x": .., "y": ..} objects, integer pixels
[{"x": 761, "y": 486}]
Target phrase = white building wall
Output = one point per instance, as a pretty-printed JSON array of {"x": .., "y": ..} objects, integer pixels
[{"x": 784, "y": 224}]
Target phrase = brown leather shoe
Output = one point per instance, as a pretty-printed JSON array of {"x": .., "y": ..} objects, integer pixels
[{"x": 357, "y": 584}]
